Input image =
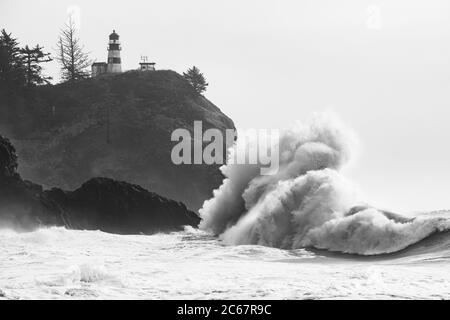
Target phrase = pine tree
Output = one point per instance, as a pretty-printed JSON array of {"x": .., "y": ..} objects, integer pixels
[
  {"x": 12, "y": 73},
  {"x": 32, "y": 59},
  {"x": 74, "y": 61},
  {"x": 196, "y": 79}
]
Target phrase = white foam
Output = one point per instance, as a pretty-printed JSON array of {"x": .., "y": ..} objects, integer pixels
[{"x": 307, "y": 202}]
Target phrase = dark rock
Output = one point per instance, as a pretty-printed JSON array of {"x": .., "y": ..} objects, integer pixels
[
  {"x": 8, "y": 159},
  {"x": 120, "y": 207},
  {"x": 22, "y": 203}
]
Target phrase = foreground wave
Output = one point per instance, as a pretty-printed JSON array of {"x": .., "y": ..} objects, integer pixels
[
  {"x": 308, "y": 202},
  {"x": 57, "y": 263}
]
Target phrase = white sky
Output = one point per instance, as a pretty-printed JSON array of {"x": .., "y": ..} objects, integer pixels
[{"x": 382, "y": 66}]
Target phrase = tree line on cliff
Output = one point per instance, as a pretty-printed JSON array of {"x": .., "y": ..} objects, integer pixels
[{"x": 22, "y": 67}]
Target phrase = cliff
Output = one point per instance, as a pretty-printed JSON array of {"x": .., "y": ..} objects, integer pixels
[
  {"x": 23, "y": 205},
  {"x": 117, "y": 127}
]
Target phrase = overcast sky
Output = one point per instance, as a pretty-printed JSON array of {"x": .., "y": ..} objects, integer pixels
[{"x": 382, "y": 66}]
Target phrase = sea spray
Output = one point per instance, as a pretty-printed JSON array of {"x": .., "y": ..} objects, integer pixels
[{"x": 308, "y": 202}]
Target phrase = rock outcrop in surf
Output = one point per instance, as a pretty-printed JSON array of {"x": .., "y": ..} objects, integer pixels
[
  {"x": 118, "y": 126},
  {"x": 121, "y": 207},
  {"x": 23, "y": 204},
  {"x": 100, "y": 203}
]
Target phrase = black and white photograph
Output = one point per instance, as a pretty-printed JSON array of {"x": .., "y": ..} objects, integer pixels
[{"x": 203, "y": 150}]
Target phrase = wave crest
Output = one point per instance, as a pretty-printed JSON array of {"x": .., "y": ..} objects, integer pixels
[{"x": 308, "y": 202}]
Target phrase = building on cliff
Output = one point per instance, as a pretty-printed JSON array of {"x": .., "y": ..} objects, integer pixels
[
  {"x": 145, "y": 65},
  {"x": 114, "y": 64}
]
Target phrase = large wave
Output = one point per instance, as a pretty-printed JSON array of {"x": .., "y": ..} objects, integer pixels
[{"x": 308, "y": 202}]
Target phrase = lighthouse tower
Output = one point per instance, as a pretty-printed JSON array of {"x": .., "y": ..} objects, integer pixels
[{"x": 114, "y": 63}]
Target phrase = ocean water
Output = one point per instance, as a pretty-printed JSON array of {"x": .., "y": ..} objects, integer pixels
[{"x": 56, "y": 263}]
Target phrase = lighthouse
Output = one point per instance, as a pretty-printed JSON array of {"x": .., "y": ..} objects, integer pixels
[{"x": 114, "y": 63}]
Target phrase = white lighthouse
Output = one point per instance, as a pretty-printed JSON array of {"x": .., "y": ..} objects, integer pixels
[{"x": 114, "y": 62}]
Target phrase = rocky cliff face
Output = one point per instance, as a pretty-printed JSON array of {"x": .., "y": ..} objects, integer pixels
[
  {"x": 117, "y": 127},
  {"x": 100, "y": 203},
  {"x": 23, "y": 205}
]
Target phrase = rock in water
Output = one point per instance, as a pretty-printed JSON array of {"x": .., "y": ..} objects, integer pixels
[
  {"x": 120, "y": 207},
  {"x": 100, "y": 203}
]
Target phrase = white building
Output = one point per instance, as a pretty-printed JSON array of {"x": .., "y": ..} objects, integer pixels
[{"x": 147, "y": 66}]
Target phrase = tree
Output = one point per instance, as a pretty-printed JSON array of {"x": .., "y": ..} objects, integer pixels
[
  {"x": 196, "y": 79},
  {"x": 32, "y": 59},
  {"x": 74, "y": 61},
  {"x": 12, "y": 73}
]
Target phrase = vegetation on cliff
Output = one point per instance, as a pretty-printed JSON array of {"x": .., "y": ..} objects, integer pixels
[{"x": 115, "y": 126}]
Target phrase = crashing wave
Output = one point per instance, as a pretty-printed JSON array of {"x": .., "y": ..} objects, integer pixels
[{"x": 308, "y": 202}]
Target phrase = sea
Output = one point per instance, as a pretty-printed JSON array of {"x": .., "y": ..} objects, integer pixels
[{"x": 57, "y": 263}]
